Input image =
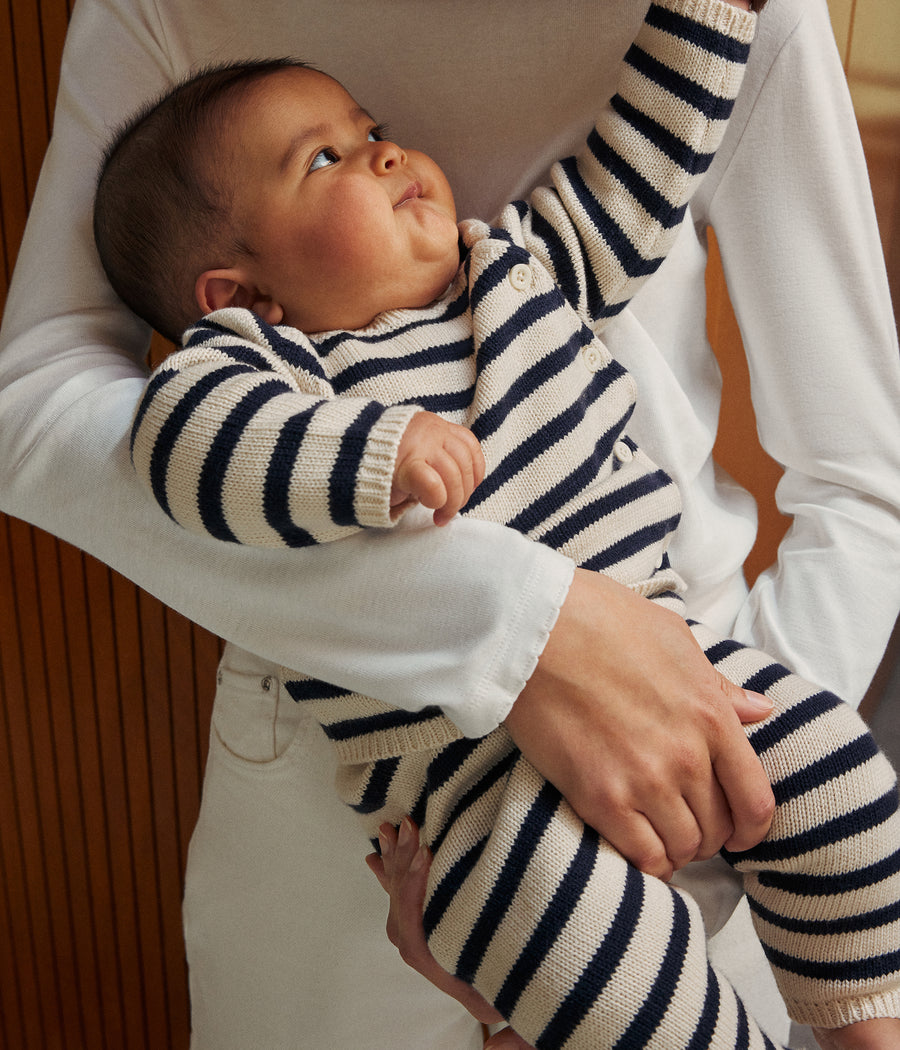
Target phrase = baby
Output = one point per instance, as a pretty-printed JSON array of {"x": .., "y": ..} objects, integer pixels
[{"x": 363, "y": 351}]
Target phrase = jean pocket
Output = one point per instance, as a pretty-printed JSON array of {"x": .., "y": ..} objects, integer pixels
[{"x": 253, "y": 717}]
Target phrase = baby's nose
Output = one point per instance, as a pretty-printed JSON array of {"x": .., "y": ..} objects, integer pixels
[{"x": 386, "y": 155}]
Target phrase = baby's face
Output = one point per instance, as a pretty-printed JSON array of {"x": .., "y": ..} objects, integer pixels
[{"x": 342, "y": 225}]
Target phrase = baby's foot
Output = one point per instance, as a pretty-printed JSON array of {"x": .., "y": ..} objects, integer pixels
[{"x": 883, "y": 1033}]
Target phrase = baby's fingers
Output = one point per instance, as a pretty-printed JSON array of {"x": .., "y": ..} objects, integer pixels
[
  {"x": 440, "y": 464},
  {"x": 470, "y": 456},
  {"x": 423, "y": 481},
  {"x": 462, "y": 471}
]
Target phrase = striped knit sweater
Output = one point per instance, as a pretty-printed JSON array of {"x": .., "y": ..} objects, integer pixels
[{"x": 267, "y": 436}]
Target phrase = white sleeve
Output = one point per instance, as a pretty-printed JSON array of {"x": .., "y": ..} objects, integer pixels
[
  {"x": 788, "y": 198},
  {"x": 455, "y": 617}
]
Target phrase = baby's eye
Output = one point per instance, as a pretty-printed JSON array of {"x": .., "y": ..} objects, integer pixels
[
  {"x": 378, "y": 133},
  {"x": 324, "y": 158}
]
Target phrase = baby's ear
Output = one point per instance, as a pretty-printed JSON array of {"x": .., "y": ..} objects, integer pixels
[{"x": 217, "y": 289}]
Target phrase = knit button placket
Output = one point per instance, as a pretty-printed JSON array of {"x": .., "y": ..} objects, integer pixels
[
  {"x": 520, "y": 277},
  {"x": 623, "y": 452},
  {"x": 592, "y": 358}
]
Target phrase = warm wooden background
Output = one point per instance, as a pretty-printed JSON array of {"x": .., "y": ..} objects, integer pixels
[{"x": 105, "y": 694}]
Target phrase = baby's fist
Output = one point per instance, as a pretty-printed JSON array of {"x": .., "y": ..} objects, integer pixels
[{"x": 439, "y": 464}]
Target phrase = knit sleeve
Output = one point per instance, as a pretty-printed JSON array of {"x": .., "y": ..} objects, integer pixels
[
  {"x": 238, "y": 435},
  {"x": 614, "y": 210}
]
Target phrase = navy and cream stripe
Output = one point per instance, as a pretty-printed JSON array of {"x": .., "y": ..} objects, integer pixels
[{"x": 578, "y": 949}]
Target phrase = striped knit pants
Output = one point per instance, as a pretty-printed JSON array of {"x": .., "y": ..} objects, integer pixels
[{"x": 578, "y": 949}]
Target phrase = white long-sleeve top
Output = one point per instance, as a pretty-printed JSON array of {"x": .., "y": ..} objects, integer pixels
[{"x": 480, "y": 87}]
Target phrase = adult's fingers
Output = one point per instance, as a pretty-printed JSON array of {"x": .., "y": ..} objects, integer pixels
[
  {"x": 749, "y": 794},
  {"x": 507, "y": 1040},
  {"x": 627, "y": 717},
  {"x": 402, "y": 871}
]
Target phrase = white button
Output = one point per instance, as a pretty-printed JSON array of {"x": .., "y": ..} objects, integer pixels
[
  {"x": 623, "y": 452},
  {"x": 520, "y": 277},
  {"x": 592, "y": 357}
]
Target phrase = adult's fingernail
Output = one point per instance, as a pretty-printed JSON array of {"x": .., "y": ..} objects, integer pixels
[
  {"x": 419, "y": 860},
  {"x": 406, "y": 831},
  {"x": 758, "y": 700}
]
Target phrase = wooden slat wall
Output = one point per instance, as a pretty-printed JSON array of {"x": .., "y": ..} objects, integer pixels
[
  {"x": 105, "y": 705},
  {"x": 105, "y": 695},
  {"x": 104, "y": 711}
]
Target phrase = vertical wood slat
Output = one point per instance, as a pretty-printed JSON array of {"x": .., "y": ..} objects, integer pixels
[
  {"x": 13, "y": 194},
  {"x": 31, "y": 38},
  {"x": 19, "y": 971},
  {"x": 100, "y": 750}
]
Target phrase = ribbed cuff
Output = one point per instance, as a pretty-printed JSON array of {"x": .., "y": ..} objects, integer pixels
[
  {"x": 372, "y": 498},
  {"x": 735, "y": 22}
]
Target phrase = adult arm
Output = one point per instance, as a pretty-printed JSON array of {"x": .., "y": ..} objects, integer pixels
[
  {"x": 474, "y": 603},
  {"x": 455, "y": 616},
  {"x": 789, "y": 200}
]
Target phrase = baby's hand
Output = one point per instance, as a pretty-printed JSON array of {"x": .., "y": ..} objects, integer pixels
[{"x": 439, "y": 463}]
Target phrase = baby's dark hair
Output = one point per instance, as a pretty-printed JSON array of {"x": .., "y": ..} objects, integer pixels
[{"x": 162, "y": 211}]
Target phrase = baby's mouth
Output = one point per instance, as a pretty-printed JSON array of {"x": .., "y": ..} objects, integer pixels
[{"x": 412, "y": 192}]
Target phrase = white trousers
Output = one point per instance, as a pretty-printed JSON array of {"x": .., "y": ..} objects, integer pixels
[{"x": 284, "y": 923}]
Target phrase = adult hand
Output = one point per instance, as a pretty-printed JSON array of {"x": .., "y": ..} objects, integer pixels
[
  {"x": 402, "y": 870},
  {"x": 627, "y": 717}
]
